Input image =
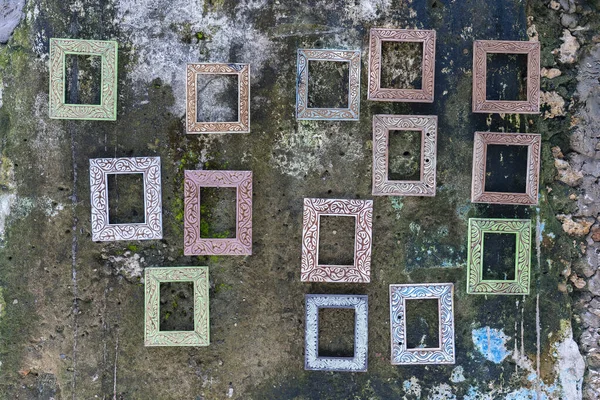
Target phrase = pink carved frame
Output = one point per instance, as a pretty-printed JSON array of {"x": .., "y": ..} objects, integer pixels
[
  {"x": 311, "y": 270},
  {"x": 382, "y": 125},
  {"x": 242, "y": 125},
  {"x": 423, "y": 95},
  {"x": 481, "y": 48},
  {"x": 482, "y": 140},
  {"x": 196, "y": 245}
]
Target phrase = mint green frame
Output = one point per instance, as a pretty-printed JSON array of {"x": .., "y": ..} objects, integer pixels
[
  {"x": 107, "y": 51},
  {"x": 153, "y": 336},
  {"x": 522, "y": 231}
]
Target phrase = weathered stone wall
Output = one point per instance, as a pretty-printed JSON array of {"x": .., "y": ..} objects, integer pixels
[{"x": 71, "y": 310}]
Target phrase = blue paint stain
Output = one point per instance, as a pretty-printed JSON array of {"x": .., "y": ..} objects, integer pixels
[
  {"x": 491, "y": 343},
  {"x": 525, "y": 394}
]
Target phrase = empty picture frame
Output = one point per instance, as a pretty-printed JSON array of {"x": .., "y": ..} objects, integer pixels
[
  {"x": 481, "y": 48},
  {"x": 382, "y": 125},
  {"x": 360, "y": 270},
  {"x": 102, "y": 229},
  {"x": 242, "y": 71},
  {"x": 107, "y": 51},
  {"x": 312, "y": 360},
  {"x": 482, "y": 140},
  {"x": 378, "y": 93},
  {"x": 478, "y": 227},
  {"x": 445, "y": 352},
  {"x": 153, "y": 277},
  {"x": 194, "y": 244},
  {"x": 350, "y": 113}
]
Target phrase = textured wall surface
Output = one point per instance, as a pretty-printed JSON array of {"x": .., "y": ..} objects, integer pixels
[{"x": 72, "y": 310}]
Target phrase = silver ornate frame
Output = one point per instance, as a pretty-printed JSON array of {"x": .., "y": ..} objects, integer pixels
[
  {"x": 445, "y": 353},
  {"x": 423, "y": 95},
  {"x": 196, "y": 245},
  {"x": 360, "y": 270},
  {"x": 312, "y": 360},
  {"x": 352, "y": 112},
  {"x": 153, "y": 277},
  {"x": 102, "y": 229},
  {"x": 242, "y": 125},
  {"x": 482, "y": 140},
  {"x": 481, "y": 48},
  {"x": 382, "y": 125}
]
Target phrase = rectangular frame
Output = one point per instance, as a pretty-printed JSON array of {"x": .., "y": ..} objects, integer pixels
[
  {"x": 102, "y": 229},
  {"x": 445, "y": 353},
  {"x": 481, "y": 48},
  {"x": 475, "y": 282},
  {"x": 193, "y": 243},
  {"x": 360, "y": 271},
  {"x": 153, "y": 336},
  {"x": 242, "y": 125},
  {"x": 107, "y": 51},
  {"x": 312, "y": 360},
  {"x": 352, "y": 112},
  {"x": 482, "y": 140},
  {"x": 382, "y": 125},
  {"x": 423, "y": 95}
]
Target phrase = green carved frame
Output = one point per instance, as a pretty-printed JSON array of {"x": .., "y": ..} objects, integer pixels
[
  {"x": 475, "y": 282},
  {"x": 153, "y": 336},
  {"x": 107, "y": 50}
]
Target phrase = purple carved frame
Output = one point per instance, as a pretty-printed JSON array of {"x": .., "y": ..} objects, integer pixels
[
  {"x": 196, "y": 245},
  {"x": 481, "y": 48},
  {"x": 482, "y": 140},
  {"x": 423, "y": 95},
  {"x": 360, "y": 271}
]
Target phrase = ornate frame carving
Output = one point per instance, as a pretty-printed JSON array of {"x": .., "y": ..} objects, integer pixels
[
  {"x": 193, "y": 243},
  {"x": 102, "y": 229},
  {"x": 444, "y": 354},
  {"x": 481, "y": 48},
  {"x": 359, "y": 272},
  {"x": 107, "y": 51},
  {"x": 423, "y": 95},
  {"x": 482, "y": 140},
  {"x": 359, "y": 362},
  {"x": 475, "y": 282},
  {"x": 352, "y": 113},
  {"x": 153, "y": 336},
  {"x": 242, "y": 125},
  {"x": 382, "y": 125}
]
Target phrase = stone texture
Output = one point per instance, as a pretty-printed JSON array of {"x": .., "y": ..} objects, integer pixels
[
  {"x": 578, "y": 227},
  {"x": 568, "y": 50},
  {"x": 555, "y": 103}
]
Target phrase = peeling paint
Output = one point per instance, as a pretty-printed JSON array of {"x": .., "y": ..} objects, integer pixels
[
  {"x": 491, "y": 343},
  {"x": 457, "y": 375}
]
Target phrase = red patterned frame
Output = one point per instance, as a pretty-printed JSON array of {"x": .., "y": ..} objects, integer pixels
[
  {"x": 423, "y": 95},
  {"x": 360, "y": 271},
  {"x": 482, "y": 140},
  {"x": 242, "y": 125},
  {"x": 196, "y": 245},
  {"x": 481, "y": 48}
]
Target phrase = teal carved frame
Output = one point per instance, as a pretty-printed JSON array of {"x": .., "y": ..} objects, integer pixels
[
  {"x": 107, "y": 51},
  {"x": 153, "y": 336},
  {"x": 522, "y": 231}
]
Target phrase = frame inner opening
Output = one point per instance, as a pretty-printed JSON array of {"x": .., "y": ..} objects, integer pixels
[
  {"x": 499, "y": 256},
  {"x": 177, "y": 306},
  {"x": 218, "y": 212},
  {"x": 506, "y": 168},
  {"x": 422, "y": 324},
  {"x": 401, "y": 65},
  {"x": 126, "y": 198},
  {"x": 83, "y": 79},
  {"x": 336, "y": 332},
  {"x": 404, "y": 155},
  {"x": 328, "y": 84},
  {"x": 336, "y": 239},
  {"x": 506, "y": 77},
  {"x": 217, "y": 98}
]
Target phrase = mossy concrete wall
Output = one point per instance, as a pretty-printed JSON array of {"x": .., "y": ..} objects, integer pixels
[{"x": 71, "y": 321}]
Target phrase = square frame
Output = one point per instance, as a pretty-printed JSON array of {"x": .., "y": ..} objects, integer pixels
[
  {"x": 482, "y": 140},
  {"x": 242, "y": 125},
  {"x": 445, "y": 353},
  {"x": 102, "y": 229},
  {"x": 423, "y": 95},
  {"x": 242, "y": 243},
  {"x": 153, "y": 336},
  {"x": 352, "y": 112},
  {"x": 360, "y": 270},
  {"x": 481, "y": 48},
  {"x": 107, "y": 51},
  {"x": 382, "y": 125},
  {"x": 360, "y": 304},
  {"x": 475, "y": 282}
]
